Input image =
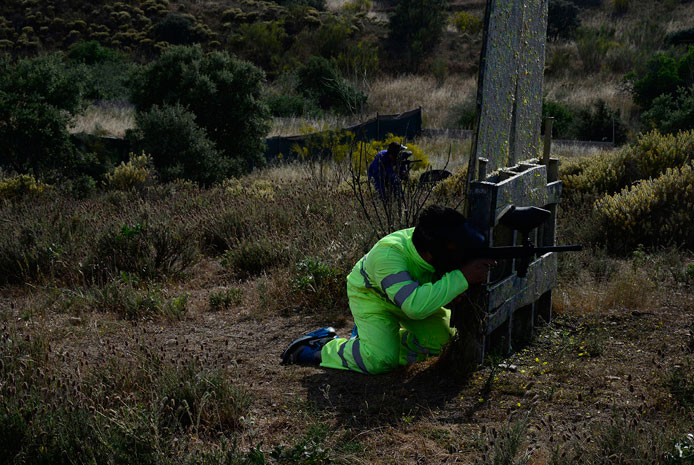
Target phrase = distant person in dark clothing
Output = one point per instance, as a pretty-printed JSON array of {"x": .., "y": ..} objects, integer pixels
[{"x": 388, "y": 169}]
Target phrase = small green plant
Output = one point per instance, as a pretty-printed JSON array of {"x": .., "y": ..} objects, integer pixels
[{"x": 225, "y": 299}]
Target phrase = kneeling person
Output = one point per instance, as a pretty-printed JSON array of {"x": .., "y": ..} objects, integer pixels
[{"x": 397, "y": 294}]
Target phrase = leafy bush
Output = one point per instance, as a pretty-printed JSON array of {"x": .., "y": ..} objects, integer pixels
[
  {"x": 149, "y": 250},
  {"x": 562, "y": 19},
  {"x": 651, "y": 156},
  {"x": 664, "y": 74},
  {"x": 288, "y": 105},
  {"x": 416, "y": 27},
  {"x": 670, "y": 114},
  {"x": 599, "y": 123},
  {"x": 466, "y": 23},
  {"x": 318, "y": 286},
  {"x": 134, "y": 174},
  {"x": 253, "y": 257},
  {"x": 320, "y": 80},
  {"x": 92, "y": 52},
  {"x": 38, "y": 97},
  {"x": 654, "y": 212},
  {"x": 190, "y": 155},
  {"x": 223, "y": 93},
  {"x": 681, "y": 37},
  {"x": 176, "y": 29},
  {"x": 262, "y": 43},
  {"x": 563, "y": 118},
  {"x": 21, "y": 187}
]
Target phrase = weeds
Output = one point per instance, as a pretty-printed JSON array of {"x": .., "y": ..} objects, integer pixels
[{"x": 225, "y": 299}]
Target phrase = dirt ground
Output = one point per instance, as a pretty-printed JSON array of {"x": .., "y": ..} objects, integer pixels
[{"x": 579, "y": 372}]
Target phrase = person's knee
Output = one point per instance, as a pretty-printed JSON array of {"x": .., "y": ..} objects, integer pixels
[{"x": 381, "y": 362}]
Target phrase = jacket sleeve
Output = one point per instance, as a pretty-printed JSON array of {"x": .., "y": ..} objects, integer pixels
[{"x": 388, "y": 269}]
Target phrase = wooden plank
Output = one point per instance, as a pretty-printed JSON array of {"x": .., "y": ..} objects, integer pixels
[{"x": 514, "y": 292}]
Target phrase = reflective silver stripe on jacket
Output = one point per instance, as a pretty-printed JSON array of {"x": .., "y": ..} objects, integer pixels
[
  {"x": 356, "y": 353},
  {"x": 404, "y": 292},
  {"x": 341, "y": 353},
  {"x": 391, "y": 279}
]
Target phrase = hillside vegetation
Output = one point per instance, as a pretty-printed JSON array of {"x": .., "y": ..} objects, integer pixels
[{"x": 146, "y": 294}]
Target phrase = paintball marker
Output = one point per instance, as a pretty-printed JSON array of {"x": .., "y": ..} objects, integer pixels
[{"x": 523, "y": 220}]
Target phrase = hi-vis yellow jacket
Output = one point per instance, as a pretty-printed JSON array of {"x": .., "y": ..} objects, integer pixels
[{"x": 397, "y": 276}]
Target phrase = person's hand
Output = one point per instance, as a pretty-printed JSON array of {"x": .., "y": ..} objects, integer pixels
[{"x": 475, "y": 271}]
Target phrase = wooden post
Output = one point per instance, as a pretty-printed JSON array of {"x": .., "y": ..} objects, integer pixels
[
  {"x": 548, "y": 141},
  {"x": 482, "y": 170}
]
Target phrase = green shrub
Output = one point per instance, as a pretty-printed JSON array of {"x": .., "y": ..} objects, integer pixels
[
  {"x": 288, "y": 105},
  {"x": 39, "y": 96},
  {"x": 654, "y": 212},
  {"x": 320, "y": 80},
  {"x": 416, "y": 27},
  {"x": 466, "y": 23},
  {"x": 652, "y": 155},
  {"x": 253, "y": 257},
  {"x": 149, "y": 250},
  {"x": 176, "y": 29},
  {"x": 563, "y": 118},
  {"x": 262, "y": 43},
  {"x": 92, "y": 52},
  {"x": 135, "y": 174},
  {"x": 318, "y": 287},
  {"x": 190, "y": 155},
  {"x": 21, "y": 187},
  {"x": 670, "y": 114},
  {"x": 664, "y": 74},
  {"x": 598, "y": 123},
  {"x": 222, "y": 92},
  {"x": 562, "y": 19},
  {"x": 681, "y": 37}
]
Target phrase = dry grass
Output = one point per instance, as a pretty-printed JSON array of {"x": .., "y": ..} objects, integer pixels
[
  {"x": 105, "y": 119},
  {"x": 583, "y": 91},
  {"x": 395, "y": 95}
]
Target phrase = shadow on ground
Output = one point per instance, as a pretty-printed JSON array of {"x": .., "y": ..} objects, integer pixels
[{"x": 363, "y": 401}]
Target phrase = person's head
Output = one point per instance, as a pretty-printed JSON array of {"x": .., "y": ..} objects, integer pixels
[
  {"x": 444, "y": 234},
  {"x": 394, "y": 149}
]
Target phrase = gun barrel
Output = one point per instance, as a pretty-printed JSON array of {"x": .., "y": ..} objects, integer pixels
[{"x": 508, "y": 252}]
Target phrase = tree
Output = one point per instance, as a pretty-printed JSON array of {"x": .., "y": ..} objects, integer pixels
[
  {"x": 416, "y": 28},
  {"x": 38, "y": 98},
  {"x": 562, "y": 19},
  {"x": 222, "y": 92},
  {"x": 189, "y": 155}
]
